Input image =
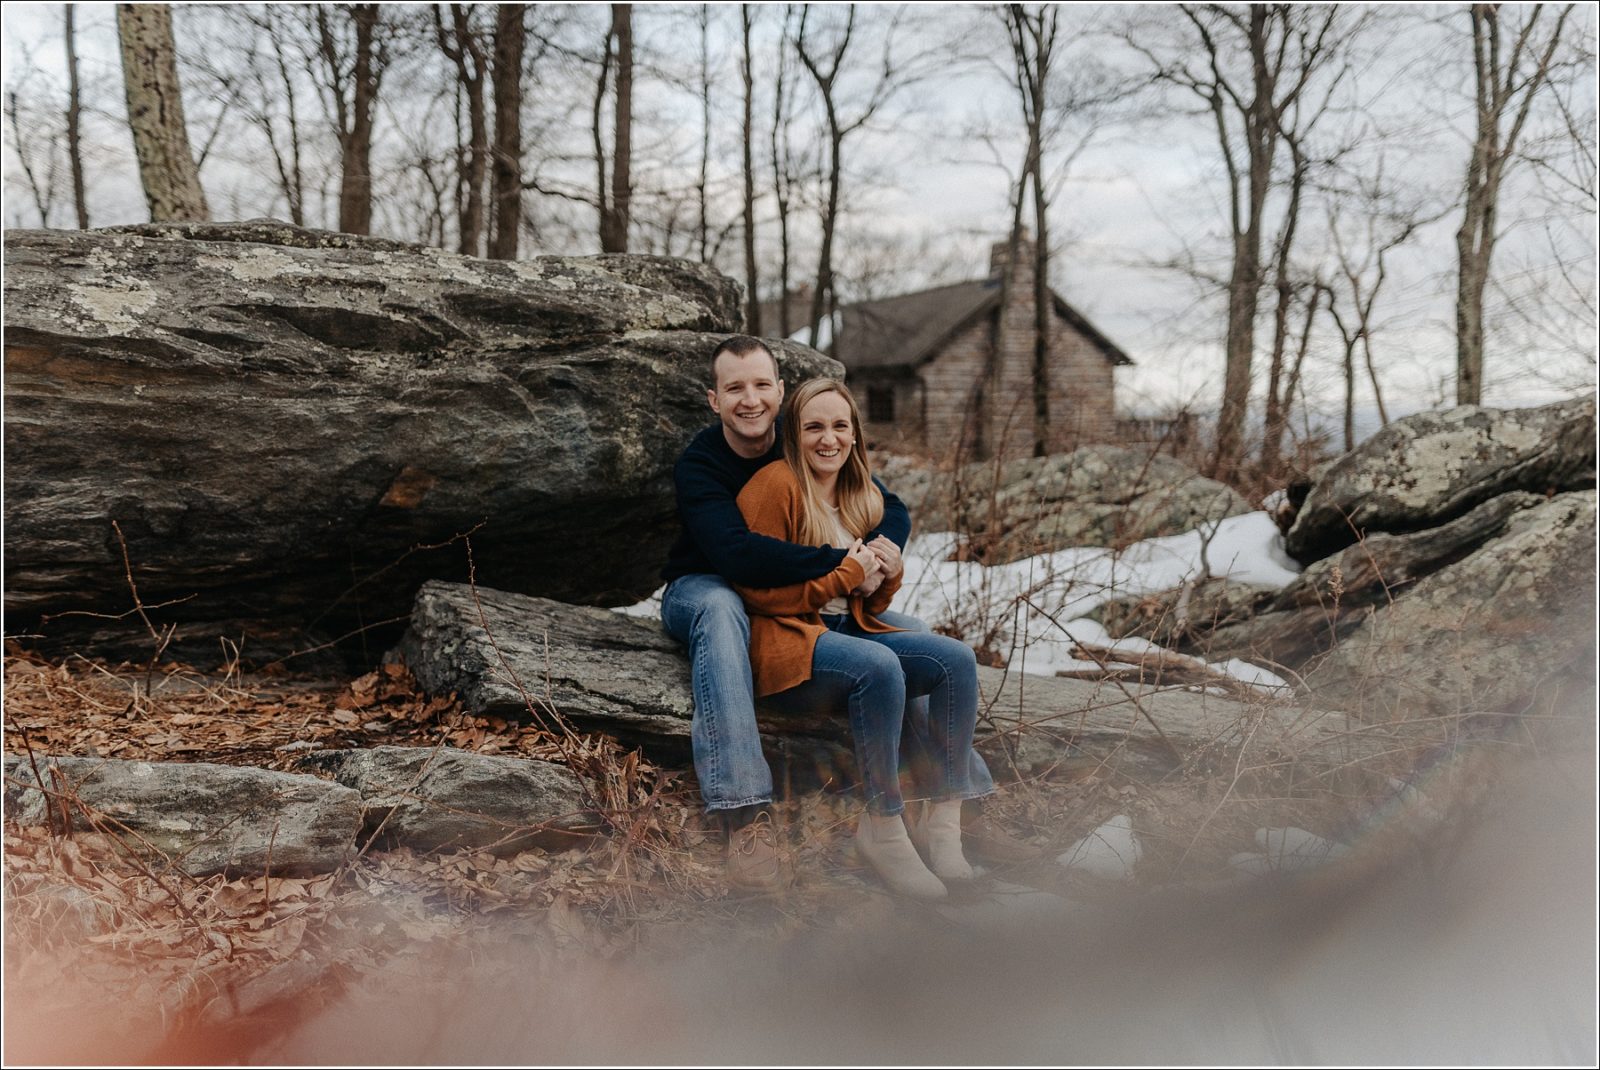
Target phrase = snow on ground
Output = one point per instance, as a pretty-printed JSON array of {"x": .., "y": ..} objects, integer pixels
[{"x": 1034, "y": 610}]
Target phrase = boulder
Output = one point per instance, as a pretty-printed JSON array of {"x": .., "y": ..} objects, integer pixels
[
  {"x": 1484, "y": 633},
  {"x": 433, "y": 798},
  {"x": 1094, "y": 496},
  {"x": 601, "y": 671},
  {"x": 199, "y": 817},
  {"x": 291, "y": 430},
  {"x": 1429, "y": 468}
]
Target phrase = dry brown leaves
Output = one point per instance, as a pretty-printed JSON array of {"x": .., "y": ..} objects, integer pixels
[{"x": 84, "y": 708}]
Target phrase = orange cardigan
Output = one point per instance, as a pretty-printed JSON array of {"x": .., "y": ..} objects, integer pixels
[{"x": 786, "y": 621}]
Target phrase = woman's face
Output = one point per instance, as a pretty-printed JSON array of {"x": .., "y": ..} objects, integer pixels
[{"x": 826, "y": 434}]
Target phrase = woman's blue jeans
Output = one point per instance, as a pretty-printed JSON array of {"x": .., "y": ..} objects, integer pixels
[
  {"x": 706, "y": 615},
  {"x": 872, "y": 676}
]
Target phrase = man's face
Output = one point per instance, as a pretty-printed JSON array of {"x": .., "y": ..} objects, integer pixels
[{"x": 746, "y": 399}]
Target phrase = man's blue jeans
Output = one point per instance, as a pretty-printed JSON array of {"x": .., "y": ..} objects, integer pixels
[{"x": 706, "y": 615}]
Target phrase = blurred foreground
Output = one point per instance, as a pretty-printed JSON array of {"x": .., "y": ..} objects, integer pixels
[{"x": 1475, "y": 944}]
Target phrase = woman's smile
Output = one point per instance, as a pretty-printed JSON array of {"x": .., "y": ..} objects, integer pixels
[{"x": 826, "y": 433}]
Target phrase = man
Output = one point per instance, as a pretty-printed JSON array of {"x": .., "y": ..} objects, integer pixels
[{"x": 701, "y": 610}]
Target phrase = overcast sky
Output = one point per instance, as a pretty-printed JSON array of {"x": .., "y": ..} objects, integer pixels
[{"x": 930, "y": 199}]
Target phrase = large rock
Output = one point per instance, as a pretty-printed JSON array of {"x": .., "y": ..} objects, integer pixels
[
  {"x": 1429, "y": 468},
  {"x": 1484, "y": 633},
  {"x": 1323, "y": 605},
  {"x": 599, "y": 670},
  {"x": 429, "y": 799},
  {"x": 291, "y": 429},
  {"x": 1094, "y": 496},
  {"x": 202, "y": 818},
  {"x": 606, "y": 672}
]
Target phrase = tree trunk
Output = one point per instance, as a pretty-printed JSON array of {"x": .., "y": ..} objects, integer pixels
[
  {"x": 464, "y": 50},
  {"x": 1273, "y": 430},
  {"x": 355, "y": 187},
  {"x": 1499, "y": 91},
  {"x": 780, "y": 184},
  {"x": 291, "y": 175},
  {"x": 510, "y": 36},
  {"x": 702, "y": 226},
  {"x": 1043, "y": 306},
  {"x": 824, "y": 302},
  {"x": 822, "y": 297},
  {"x": 614, "y": 221},
  {"x": 155, "y": 114},
  {"x": 1244, "y": 284},
  {"x": 752, "y": 319},
  {"x": 74, "y": 112},
  {"x": 462, "y": 47}
]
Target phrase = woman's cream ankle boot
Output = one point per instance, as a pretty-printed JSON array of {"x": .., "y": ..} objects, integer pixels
[
  {"x": 942, "y": 827},
  {"x": 882, "y": 842}
]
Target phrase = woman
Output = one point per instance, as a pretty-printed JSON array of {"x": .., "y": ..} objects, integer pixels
[{"x": 820, "y": 644}]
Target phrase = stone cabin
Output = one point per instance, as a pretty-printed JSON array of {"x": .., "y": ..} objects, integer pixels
[{"x": 952, "y": 366}]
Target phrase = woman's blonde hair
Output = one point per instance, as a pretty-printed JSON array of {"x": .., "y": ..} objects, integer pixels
[{"x": 860, "y": 501}]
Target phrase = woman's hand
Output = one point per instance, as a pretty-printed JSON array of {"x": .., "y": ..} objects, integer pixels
[
  {"x": 864, "y": 556},
  {"x": 888, "y": 555}
]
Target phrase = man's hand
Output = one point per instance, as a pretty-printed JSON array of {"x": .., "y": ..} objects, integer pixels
[
  {"x": 868, "y": 586},
  {"x": 888, "y": 555}
]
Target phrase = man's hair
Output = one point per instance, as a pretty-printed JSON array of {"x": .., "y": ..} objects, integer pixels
[{"x": 742, "y": 345}]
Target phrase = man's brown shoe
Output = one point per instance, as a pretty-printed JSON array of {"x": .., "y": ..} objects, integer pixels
[
  {"x": 982, "y": 838},
  {"x": 754, "y": 862}
]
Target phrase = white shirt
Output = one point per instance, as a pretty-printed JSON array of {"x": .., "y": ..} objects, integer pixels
[{"x": 842, "y": 538}]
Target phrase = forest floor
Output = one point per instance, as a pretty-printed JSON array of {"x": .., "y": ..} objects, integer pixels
[{"x": 108, "y": 960}]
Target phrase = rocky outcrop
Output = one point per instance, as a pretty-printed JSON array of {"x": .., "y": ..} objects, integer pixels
[
  {"x": 431, "y": 799},
  {"x": 1094, "y": 496},
  {"x": 1484, "y": 633},
  {"x": 605, "y": 672},
  {"x": 199, "y": 817},
  {"x": 1293, "y": 624},
  {"x": 1491, "y": 611},
  {"x": 205, "y": 819},
  {"x": 600, "y": 670},
  {"x": 1430, "y": 468},
  {"x": 292, "y": 430}
]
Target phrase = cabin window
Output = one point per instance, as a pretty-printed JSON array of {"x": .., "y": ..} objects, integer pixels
[{"x": 880, "y": 404}]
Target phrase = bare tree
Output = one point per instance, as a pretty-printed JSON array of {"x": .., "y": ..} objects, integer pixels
[
  {"x": 703, "y": 179},
  {"x": 1033, "y": 37},
  {"x": 272, "y": 75},
  {"x": 354, "y": 55},
  {"x": 155, "y": 114},
  {"x": 462, "y": 44},
  {"x": 616, "y": 207},
  {"x": 74, "y": 115},
  {"x": 1250, "y": 67},
  {"x": 752, "y": 317},
  {"x": 784, "y": 177},
  {"x": 25, "y": 138},
  {"x": 510, "y": 38},
  {"x": 825, "y": 60},
  {"x": 1504, "y": 92}
]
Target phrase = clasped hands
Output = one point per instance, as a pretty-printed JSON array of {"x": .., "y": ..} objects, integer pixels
[{"x": 879, "y": 559}]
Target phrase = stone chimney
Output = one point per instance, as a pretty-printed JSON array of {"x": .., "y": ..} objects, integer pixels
[{"x": 1000, "y": 254}]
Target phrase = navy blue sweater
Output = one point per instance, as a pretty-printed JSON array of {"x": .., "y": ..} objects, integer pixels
[{"x": 715, "y": 538}]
